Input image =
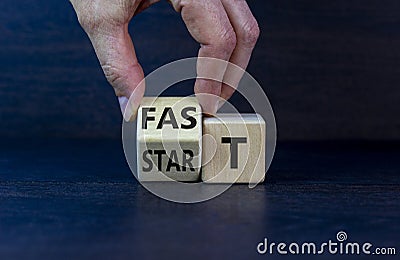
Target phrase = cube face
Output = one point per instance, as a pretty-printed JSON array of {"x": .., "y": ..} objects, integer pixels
[
  {"x": 233, "y": 149},
  {"x": 168, "y": 139}
]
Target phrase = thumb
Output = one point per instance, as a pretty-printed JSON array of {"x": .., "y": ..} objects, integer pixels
[{"x": 116, "y": 53}]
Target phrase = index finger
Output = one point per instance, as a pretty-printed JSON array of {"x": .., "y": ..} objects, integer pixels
[{"x": 209, "y": 25}]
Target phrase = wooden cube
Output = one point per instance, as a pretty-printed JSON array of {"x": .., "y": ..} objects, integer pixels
[
  {"x": 233, "y": 148},
  {"x": 168, "y": 139}
]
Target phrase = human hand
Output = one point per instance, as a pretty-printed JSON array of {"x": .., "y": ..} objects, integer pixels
[{"x": 225, "y": 29}]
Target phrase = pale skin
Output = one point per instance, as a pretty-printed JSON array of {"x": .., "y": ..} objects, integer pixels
[{"x": 225, "y": 29}]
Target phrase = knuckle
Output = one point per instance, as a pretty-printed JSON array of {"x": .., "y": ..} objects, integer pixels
[
  {"x": 89, "y": 23},
  {"x": 93, "y": 15},
  {"x": 226, "y": 42},
  {"x": 248, "y": 33},
  {"x": 113, "y": 75}
]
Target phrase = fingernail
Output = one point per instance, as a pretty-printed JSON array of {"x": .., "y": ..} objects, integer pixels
[
  {"x": 128, "y": 108},
  {"x": 210, "y": 110}
]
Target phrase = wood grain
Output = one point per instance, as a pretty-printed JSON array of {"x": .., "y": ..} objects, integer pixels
[
  {"x": 230, "y": 161},
  {"x": 171, "y": 126}
]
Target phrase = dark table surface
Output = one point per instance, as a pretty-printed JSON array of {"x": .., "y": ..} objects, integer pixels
[{"x": 77, "y": 199}]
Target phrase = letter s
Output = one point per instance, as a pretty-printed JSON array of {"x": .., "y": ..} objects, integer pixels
[
  {"x": 191, "y": 119},
  {"x": 148, "y": 160}
]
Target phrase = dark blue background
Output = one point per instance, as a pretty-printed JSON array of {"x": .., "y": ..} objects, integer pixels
[{"x": 331, "y": 69}]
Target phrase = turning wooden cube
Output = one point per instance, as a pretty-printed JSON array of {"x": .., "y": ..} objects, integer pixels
[
  {"x": 233, "y": 149},
  {"x": 168, "y": 139}
]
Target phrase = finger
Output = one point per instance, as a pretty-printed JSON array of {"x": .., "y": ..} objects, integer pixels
[
  {"x": 247, "y": 32},
  {"x": 209, "y": 25},
  {"x": 108, "y": 32},
  {"x": 118, "y": 60}
]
